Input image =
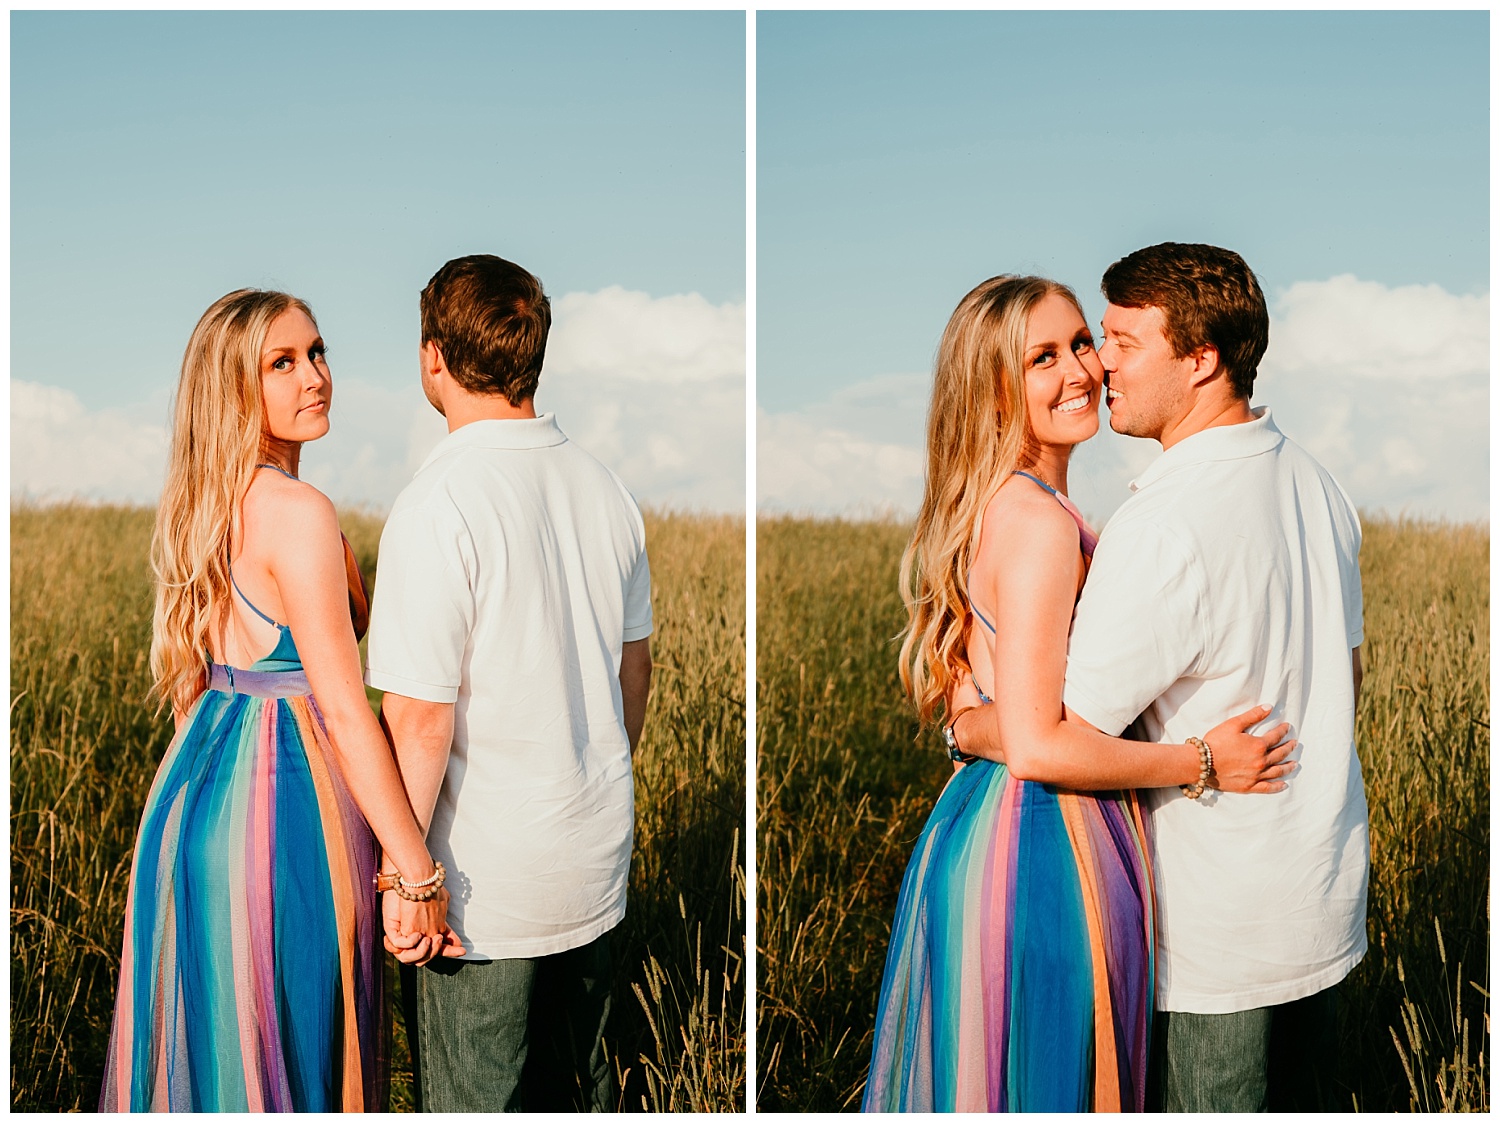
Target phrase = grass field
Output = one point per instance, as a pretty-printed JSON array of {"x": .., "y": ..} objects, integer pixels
[
  {"x": 843, "y": 791},
  {"x": 84, "y": 747}
]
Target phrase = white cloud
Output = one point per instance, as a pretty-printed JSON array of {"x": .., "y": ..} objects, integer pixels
[
  {"x": 652, "y": 386},
  {"x": 807, "y": 468},
  {"x": 1387, "y": 386},
  {"x": 655, "y": 388},
  {"x": 616, "y": 334},
  {"x": 1364, "y": 329},
  {"x": 61, "y": 450}
]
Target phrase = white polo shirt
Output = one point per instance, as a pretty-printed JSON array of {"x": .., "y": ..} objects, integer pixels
[
  {"x": 511, "y": 570},
  {"x": 1230, "y": 578}
]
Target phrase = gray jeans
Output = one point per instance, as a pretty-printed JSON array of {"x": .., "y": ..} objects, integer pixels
[
  {"x": 1274, "y": 1058},
  {"x": 511, "y": 1034}
]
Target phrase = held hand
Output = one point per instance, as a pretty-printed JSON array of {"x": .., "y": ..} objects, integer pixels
[
  {"x": 1249, "y": 762},
  {"x": 408, "y": 947},
  {"x": 427, "y": 920}
]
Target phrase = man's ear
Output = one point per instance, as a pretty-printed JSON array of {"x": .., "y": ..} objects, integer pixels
[
  {"x": 432, "y": 359},
  {"x": 1205, "y": 364}
]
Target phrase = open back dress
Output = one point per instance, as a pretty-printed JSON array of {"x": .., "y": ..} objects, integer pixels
[
  {"x": 250, "y": 977},
  {"x": 1020, "y": 969}
]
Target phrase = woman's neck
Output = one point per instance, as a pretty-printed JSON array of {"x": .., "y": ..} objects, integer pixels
[
  {"x": 1049, "y": 464},
  {"x": 285, "y": 455}
]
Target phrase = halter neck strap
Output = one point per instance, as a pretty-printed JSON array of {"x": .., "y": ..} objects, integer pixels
[
  {"x": 1018, "y": 472},
  {"x": 277, "y": 468}
]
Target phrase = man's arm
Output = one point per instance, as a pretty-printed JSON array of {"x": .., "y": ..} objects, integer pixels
[
  {"x": 421, "y": 733},
  {"x": 1359, "y": 676},
  {"x": 635, "y": 686}
]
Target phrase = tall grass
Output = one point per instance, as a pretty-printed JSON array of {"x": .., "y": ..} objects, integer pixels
[
  {"x": 84, "y": 746},
  {"x": 845, "y": 783}
]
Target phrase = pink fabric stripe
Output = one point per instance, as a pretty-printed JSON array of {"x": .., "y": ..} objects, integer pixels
[
  {"x": 124, "y": 1043},
  {"x": 240, "y": 938},
  {"x": 260, "y": 846}
]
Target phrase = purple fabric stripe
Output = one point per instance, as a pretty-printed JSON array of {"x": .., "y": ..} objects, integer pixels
[{"x": 257, "y": 684}]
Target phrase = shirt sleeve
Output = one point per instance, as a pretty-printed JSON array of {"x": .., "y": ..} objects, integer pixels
[
  {"x": 1354, "y": 593},
  {"x": 638, "y": 619},
  {"x": 1139, "y": 627},
  {"x": 423, "y": 612}
]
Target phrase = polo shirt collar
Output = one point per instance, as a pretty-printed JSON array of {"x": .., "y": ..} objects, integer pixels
[
  {"x": 519, "y": 433},
  {"x": 1222, "y": 442}
]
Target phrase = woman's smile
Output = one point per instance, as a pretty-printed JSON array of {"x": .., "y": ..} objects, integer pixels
[{"x": 1073, "y": 405}]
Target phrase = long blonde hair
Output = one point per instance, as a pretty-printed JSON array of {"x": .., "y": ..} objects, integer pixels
[
  {"x": 217, "y": 424},
  {"x": 977, "y": 434}
]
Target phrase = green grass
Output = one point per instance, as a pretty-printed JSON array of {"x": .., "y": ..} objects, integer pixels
[
  {"x": 844, "y": 784},
  {"x": 84, "y": 747}
]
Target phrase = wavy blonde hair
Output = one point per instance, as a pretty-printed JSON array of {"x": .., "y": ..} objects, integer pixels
[
  {"x": 977, "y": 434},
  {"x": 217, "y": 424}
]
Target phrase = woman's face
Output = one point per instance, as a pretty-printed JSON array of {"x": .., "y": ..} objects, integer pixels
[
  {"x": 294, "y": 379},
  {"x": 1063, "y": 374}
]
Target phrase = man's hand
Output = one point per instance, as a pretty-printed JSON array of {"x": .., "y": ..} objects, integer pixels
[
  {"x": 417, "y": 931},
  {"x": 408, "y": 947}
]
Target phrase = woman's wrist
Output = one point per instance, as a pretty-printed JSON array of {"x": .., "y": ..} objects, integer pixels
[
  {"x": 1185, "y": 765},
  {"x": 414, "y": 866}
]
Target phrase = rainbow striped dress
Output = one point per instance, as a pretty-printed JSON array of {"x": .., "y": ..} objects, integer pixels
[
  {"x": 250, "y": 977},
  {"x": 1020, "y": 973}
]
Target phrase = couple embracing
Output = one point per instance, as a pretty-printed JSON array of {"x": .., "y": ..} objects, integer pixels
[
  {"x": 482, "y": 827},
  {"x": 1091, "y": 922}
]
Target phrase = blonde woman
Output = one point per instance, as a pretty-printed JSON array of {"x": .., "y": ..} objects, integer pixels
[
  {"x": 1020, "y": 969},
  {"x": 250, "y": 977}
]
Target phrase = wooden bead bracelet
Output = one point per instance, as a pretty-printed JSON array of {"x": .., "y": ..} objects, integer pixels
[{"x": 1205, "y": 768}]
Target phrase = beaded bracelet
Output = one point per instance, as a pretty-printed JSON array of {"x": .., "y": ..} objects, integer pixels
[
  {"x": 425, "y": 892},
  {"x": 1205, "y": 768},
  {"x": 437, "y": 876}
]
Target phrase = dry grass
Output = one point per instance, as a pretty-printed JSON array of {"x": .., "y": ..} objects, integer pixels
[
  {"x": 84, "y": 747},
  {"x": 843, "y": 791}
]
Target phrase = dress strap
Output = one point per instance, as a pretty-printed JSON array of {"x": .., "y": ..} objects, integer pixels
[
  {"x": 1018, "y": 472},
  {"x": 248, "y": 601},
  {"x": 235, "y": 583},
  {"x": 1086, "y": 536}
]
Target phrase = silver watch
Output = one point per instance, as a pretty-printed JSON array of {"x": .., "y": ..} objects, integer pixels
[{"x": 954, "y": 752}]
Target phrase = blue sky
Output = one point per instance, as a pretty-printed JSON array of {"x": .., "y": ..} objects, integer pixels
[
  {"x": 159, "y": 160},
  {"x": 904, "y": 157}
]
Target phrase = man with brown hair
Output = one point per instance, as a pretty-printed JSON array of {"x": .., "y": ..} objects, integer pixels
[
  {"x": 1229, "y": 578},
  {"x": 510, "y": 633}
]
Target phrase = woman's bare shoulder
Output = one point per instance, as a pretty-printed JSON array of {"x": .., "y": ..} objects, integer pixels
[
  {"x": 1025, "y": 525},
  {"x": 286, "y": 514}
]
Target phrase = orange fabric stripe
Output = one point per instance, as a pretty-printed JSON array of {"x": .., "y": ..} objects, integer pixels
[{"x": 1106, "y": 1069}]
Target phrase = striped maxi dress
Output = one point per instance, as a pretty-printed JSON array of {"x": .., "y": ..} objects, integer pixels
[
  {"x": 1020, "y": 972},
  {"x": 250, "y": 976}
]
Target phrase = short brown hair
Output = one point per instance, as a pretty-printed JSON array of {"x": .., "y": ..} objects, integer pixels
[
  {"x": 1207, "y": 295},
  {"x": 489, "y": 318}
]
